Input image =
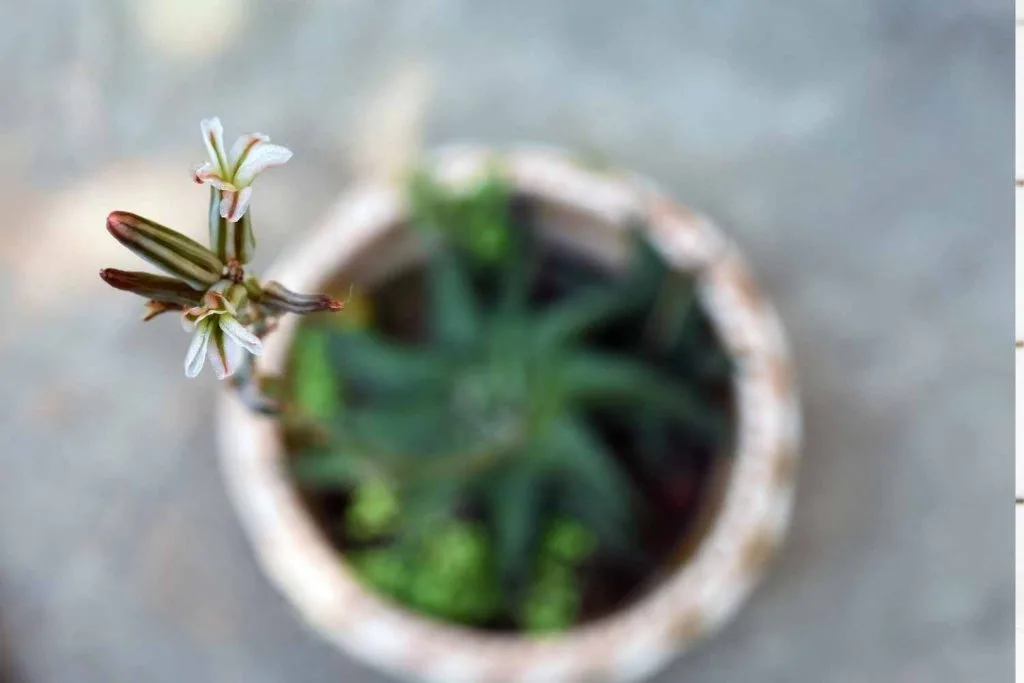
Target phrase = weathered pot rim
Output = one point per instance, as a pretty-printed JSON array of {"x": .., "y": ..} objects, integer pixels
[{"x": 641, "y": 638}]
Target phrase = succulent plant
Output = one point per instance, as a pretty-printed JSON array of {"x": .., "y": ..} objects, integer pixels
[{"x": 490, "y": 418}]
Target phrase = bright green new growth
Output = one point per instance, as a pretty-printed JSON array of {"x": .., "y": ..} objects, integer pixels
[{"x": 475, "y": 471}]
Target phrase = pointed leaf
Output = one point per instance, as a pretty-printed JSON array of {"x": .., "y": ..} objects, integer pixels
[
  {"x": 521, "y": 262},
  {"x": 363, "y": 356},
  {"x": 409, "y": 431},
  {"x": 670, "y": 313},
  {"x": 314, "y": 388},
  {"x": 571, "y": 446},
  {"x": 614, "y": 381},
  {"x": 593, "y": 488},
  {"x": 454, "y": 320},
  {"x": 514, "y": 498},
  {"x": 595, "y": 306}
]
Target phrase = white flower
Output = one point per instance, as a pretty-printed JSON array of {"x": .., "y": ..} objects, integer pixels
[
  {"x": 217, "y": 334},
  {"x": 233, "y": 173}
]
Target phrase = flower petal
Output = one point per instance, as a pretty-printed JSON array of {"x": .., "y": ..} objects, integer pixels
[
  {"x": 243, "y": 145},
  {"x": 225, "y": 354},
  {"x": 196, "y": 355},
  {"x": 241, "y": 335},
  {"x": 155, "y": 308},
  {"x": 215, "y": 300},
  {"x": 213, "y": 137},
  {"x": 260, "y": 157},
  {"x": 191, "y": 317},
  {"x": 207, "y": 172},
  {"x": 233, "y": 205}
]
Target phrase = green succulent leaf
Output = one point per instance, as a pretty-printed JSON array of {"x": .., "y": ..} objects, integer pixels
[
  {"x": 455, "y": 321},
  {"x": 595, "y": 306},
  {"x": 648, "y": 268},
  {"x": 331, "y": 468},
  {"x": 571, "y": 447},
  {"x": 373, "y": 510},
  {"x": 514, "y": 499},
  {"x": 553, "y": 602},
  {"x": 567, "y": 321},
  {"x": 670, "y": 313},
  {"x": 365, "y": 357},
  {"x": 569, "y": 541},
  {"x": 383, "y": 568},
  {"x": 475, "y": 221},
  {"x": 517, "y": 273},
  {"x": 424, "y": 506},
  {"x": 605, "y": 380},
  {"x": 398, "y": 431},
  {"x": 315, "y": 388}
]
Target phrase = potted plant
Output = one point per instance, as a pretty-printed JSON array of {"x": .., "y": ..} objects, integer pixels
[{"x": 552, "y": 437}]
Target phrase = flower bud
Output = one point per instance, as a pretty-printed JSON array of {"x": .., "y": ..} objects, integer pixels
[
  {"x": 156, "y": 287},
  {"x": 167, "y": 249},
  {"x": 278, "y": 298}
]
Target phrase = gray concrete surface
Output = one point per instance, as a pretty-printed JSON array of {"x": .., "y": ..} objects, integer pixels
[{"x": 860, "y": 152}]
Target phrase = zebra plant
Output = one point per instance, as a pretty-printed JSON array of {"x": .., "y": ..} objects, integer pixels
[{"x": 487, "y": 420}]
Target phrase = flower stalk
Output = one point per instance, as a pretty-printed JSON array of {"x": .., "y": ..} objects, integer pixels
[{"x": 227, "y": 310}]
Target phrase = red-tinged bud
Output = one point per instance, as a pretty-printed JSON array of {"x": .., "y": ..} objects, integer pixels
[
  {"x": 167, "y": 249},
  {"x": 156, "y": 287},
  {"x": 278, "y": 298}
]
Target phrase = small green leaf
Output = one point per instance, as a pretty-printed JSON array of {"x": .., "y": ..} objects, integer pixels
[
  {"x": 568, "y": 540},
  {"x": 314, "y": 389},
  {"x": 459, "y": 549},
  {"x": 373, "y": 510},
  {"x": 425, "y": 506},
  {"x": 383, "y": 568},
  {"x": 553, "y": 602}
]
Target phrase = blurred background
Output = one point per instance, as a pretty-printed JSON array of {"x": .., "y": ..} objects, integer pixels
[{"x": 860, "y": 153}]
